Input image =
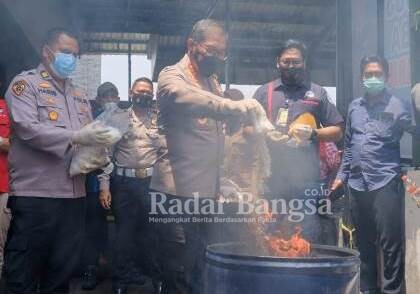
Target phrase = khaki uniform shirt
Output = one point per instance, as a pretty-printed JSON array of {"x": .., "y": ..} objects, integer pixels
[
  {"x": 139, "y": 147},
  {"x": 191, "y": 122}
]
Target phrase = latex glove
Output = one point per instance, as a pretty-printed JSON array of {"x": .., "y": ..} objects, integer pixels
[
  {"x": 301, "y": 132},
  {"x": 96, "y": 133}
]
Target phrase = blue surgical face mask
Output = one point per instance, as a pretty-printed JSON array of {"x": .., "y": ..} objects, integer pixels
[
  {"x": 373, "y": 85},
  {"x": 63, "y": 65}
]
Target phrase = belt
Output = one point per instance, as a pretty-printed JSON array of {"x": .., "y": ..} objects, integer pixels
[{"x": 140, "y": 173}]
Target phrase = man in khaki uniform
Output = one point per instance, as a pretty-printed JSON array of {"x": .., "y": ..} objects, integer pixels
[
  {"x": 192, "y": 111},
  {"x": 47, "y": 114},
  {"x": 127, "y": 191}
]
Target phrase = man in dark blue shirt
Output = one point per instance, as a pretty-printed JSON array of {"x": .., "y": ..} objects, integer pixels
[
  {"x": 96, "y": 224},
  {"x": 371, "y": 169},
  {"x": 296, "y": 167}
]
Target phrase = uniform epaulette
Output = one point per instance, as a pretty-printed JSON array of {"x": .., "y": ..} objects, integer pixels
[{"x": 27, "y": 72}]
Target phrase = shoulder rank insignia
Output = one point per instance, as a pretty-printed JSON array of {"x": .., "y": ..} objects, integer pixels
[
  {"x": 45, "y": 74},
  {"x": 53, "y": 115},
  {"x": 18, "y": 87}
]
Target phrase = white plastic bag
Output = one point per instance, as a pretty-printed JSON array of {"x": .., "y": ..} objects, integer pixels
[
  {"x": 89, "y": 158},
  {"x": 260, "y": 121}
]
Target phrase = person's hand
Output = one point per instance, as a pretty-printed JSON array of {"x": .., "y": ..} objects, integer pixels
[
  {"x": 253, "y": 105},
  {"x": 277, "y": 137},
  {"x": 337, "y": 184},
  {"x": 301, "y": 132},
  {"x": 232, "y": 107},
  {"x": 105, "y": 199},
  {"x": 94, "y": 134}
]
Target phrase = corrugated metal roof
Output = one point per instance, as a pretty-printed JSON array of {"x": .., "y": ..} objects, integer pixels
[{"x": 257, "y": 28}]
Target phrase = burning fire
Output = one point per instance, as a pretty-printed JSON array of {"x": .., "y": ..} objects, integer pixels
[
  {"x": 275, "y": 244},
  {"x": 296, "y": 246}
]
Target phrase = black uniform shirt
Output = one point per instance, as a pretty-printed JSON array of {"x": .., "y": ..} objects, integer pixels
[{"x": 297, "y": 166}]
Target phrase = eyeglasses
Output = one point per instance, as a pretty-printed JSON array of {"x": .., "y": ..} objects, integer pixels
[
  {"x": 221, "y": 54},
  {"x": 368, "y": 75},
  {"x": 294, "y": 62}
]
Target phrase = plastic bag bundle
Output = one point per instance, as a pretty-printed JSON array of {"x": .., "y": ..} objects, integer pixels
[
  {"x": 89, "y": 158},
  {"x": 260, "y": 121}
]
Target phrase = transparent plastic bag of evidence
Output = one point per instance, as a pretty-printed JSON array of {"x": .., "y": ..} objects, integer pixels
[{"x": 90, "y": 158}]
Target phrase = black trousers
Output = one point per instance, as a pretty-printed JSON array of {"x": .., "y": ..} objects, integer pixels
[
  {"x": 379, "y": 221},
  {"x": 134, "y": 248},
  {"x": 96, "y": 230},
  {"x": 44, "y": 244},
  {"x": 182, "y": 246}
]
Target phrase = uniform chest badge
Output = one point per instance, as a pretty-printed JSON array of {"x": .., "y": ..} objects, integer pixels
[
  {"x": 18, "y": 87},
  {"x": 311, "y": 99},
  {"x": 53, "y": 115},
  {"x": 45, "y": 74},
  {"x": 309, "y": 95}
]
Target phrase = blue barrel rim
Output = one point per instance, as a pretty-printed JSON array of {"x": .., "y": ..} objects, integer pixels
[{"x": 346, "y": 258}]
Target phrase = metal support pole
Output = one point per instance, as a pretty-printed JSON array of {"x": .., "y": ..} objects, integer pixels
[
  {"x": 381, "y": 33},
  {"x": 129, "y": 65},
  {"x": 227, "y": 25},
  {"x": 344, "y": 62}
]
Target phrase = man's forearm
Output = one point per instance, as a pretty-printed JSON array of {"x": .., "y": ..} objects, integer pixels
[{"x": 333, "y": 133}]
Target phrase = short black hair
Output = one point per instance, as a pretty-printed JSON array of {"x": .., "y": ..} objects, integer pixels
[
  {"x": 107, "y": 89},
  {"x": 293, "y": 44},
  {"x": 52, "y": 35},
  {"x": 374, "y": 59},
  {"x": 142, "y": 79},
  {"x": 200, "y": 28},
  {"x": 234, "y": 94}
]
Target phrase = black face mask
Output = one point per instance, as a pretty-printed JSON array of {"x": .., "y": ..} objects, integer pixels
[
  {"x": 143, "y": 100},
  {"x": 210, "y": 65},
  {"x": 292, "y": 76}
]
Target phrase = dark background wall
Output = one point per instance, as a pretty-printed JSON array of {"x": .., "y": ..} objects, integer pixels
[{"x": 16, "y": 53}]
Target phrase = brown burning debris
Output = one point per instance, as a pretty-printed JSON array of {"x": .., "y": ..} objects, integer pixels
[
  {"x": 296, "y": 246},
  {"x": 276, "y": 245}
]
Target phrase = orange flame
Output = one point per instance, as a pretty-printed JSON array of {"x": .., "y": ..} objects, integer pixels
[{"x": 296, "y": 246}]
